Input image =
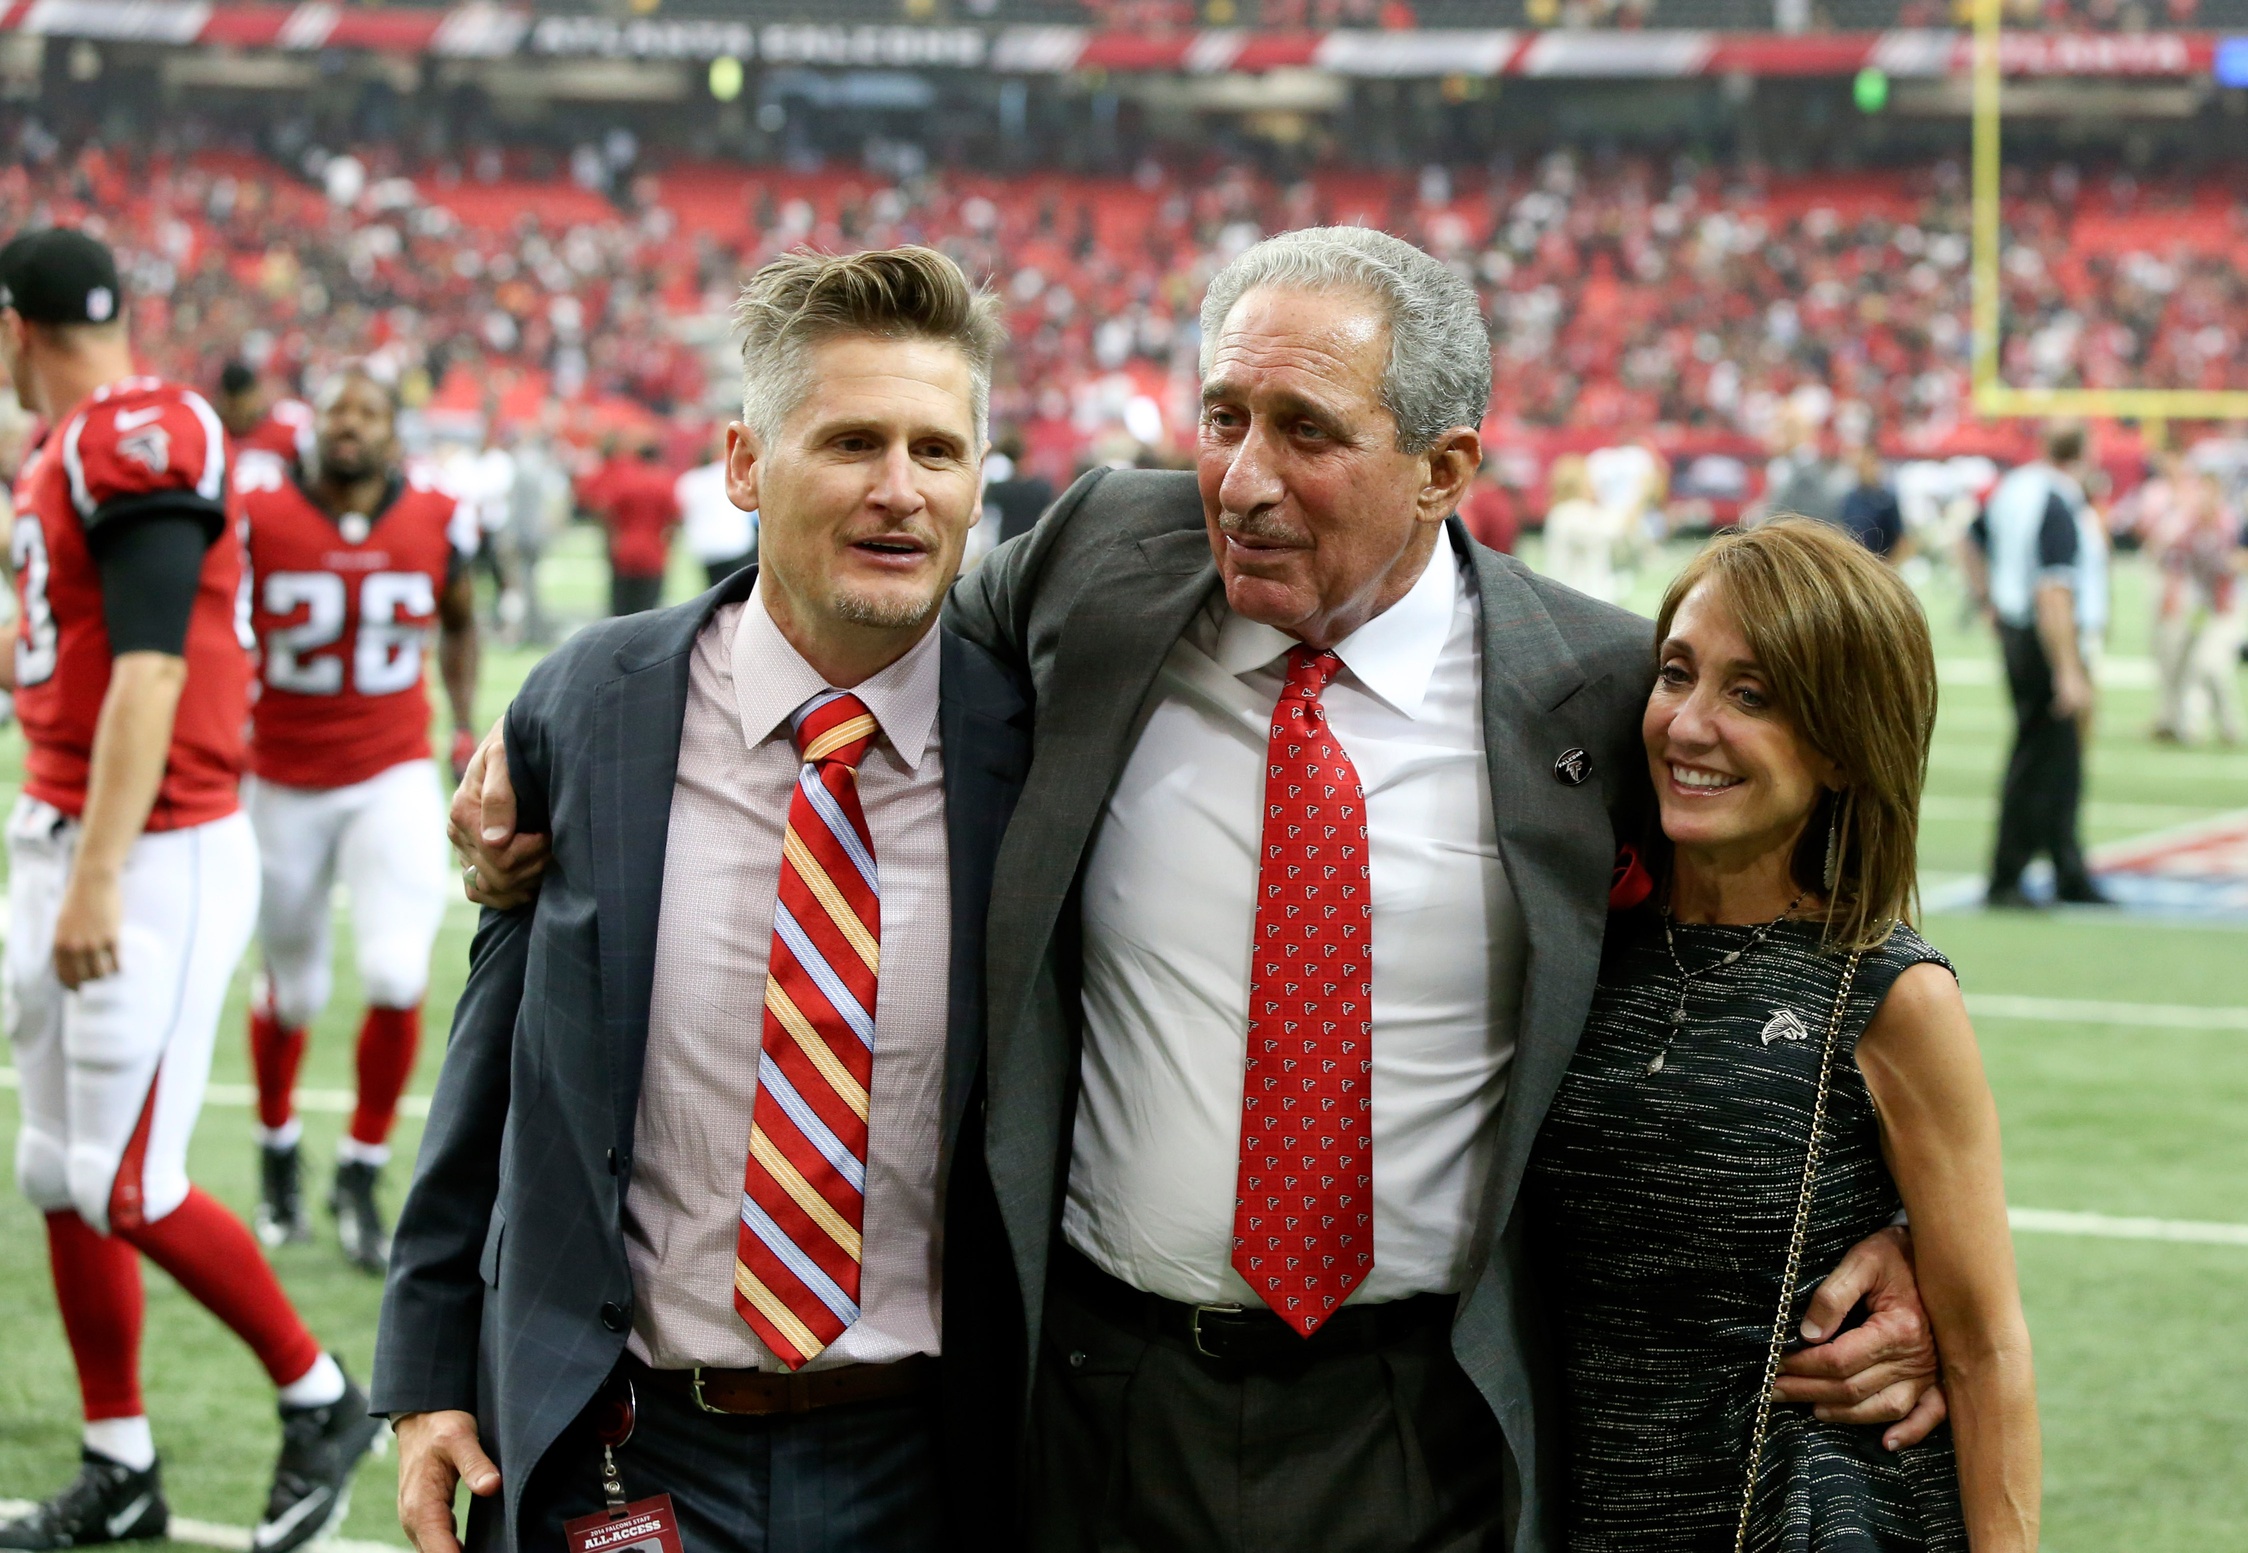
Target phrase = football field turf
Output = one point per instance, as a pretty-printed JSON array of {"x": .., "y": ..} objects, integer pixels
[{"x": 2114, "y": 1105}]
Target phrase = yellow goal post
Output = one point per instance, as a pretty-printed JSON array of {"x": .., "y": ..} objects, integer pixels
[{"x": 1993, "y": 395}]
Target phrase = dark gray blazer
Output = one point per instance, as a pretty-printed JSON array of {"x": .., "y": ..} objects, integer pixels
[
  {"x": 509, "y": 1295},
  {"x": 1088, "y": 605}
]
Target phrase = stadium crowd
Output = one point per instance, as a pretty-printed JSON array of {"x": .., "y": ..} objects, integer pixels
[{"x": 1713, "y": 305}]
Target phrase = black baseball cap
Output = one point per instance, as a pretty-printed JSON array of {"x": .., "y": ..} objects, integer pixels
[{"x": 59, "y": 276}]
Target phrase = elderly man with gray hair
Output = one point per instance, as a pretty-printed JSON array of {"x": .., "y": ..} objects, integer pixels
[{"x": 1291, "y": 938}]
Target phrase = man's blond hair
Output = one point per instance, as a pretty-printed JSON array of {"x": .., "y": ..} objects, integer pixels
[{"x": 804, "y": 299}]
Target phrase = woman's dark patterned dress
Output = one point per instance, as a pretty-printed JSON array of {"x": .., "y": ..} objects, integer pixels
[{"x": 1663, "y": 1204}]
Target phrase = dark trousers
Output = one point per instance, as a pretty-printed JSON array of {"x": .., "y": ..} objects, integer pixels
[
  {"x": 859, "y": 1478},
  {"x": 2044, "y": 776},
  {"x": 630, "y": 594},
  {"x": 718, "y": 571},
  {"x": 1141, "y": 1444}
]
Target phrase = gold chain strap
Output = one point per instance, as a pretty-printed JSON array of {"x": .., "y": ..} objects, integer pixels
[{"x": 1794, "y": 1254}]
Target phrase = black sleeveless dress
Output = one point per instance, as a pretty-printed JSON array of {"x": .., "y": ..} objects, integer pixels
[{"x": 1661, "y": 1208}]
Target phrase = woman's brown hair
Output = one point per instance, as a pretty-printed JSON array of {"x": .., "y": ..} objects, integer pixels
[{"x": 1844, "y": 647}]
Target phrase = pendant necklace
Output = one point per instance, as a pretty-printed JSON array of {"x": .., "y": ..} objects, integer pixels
[{"x": 1687, "y": 978}]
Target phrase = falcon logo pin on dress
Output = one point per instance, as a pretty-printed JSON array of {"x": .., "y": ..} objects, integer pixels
[
  {"x": 1784, "y": 1026},
  {"x": 1571, "y": 767}
]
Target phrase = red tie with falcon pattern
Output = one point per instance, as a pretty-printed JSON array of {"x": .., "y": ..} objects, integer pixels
[{"x": 1303, "y": 1214}]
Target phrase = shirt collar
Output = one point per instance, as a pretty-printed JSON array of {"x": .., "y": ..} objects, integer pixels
[
  {"x": 1393, "y": 655},
  {"x": 771, "y": 680}
]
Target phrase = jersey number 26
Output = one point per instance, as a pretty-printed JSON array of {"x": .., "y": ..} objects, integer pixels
[{"x": 385, "y": 658}]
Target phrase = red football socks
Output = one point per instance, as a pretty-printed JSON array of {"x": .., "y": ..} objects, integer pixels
[
  {"x": 98, "y": 1286},
  {"x": 389, "y": 1039},
  {"x": 213, "y": 1256},
  {"x": 275, "y": 1053}
]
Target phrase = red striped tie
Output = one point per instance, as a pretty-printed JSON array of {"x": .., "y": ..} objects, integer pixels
[{"x": 796, "y": 1257}]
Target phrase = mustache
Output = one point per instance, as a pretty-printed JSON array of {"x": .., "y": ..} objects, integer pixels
[
  {"x": 1262, "y": 523},
  {"x": 920, "y": 533}
]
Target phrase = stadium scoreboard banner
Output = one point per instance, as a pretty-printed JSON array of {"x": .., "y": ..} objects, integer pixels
[{"x": 480, "y": 30}]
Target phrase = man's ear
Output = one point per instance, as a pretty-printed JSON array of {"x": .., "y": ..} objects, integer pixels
[
  {"x": 1452, "y": 463},
  {"x": 744, "y": 462}
]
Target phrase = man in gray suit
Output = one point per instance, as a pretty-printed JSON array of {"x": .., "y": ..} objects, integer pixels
[
  {"x": 1262, "y": 1217},
  {"x": 692, "y": 1153}
]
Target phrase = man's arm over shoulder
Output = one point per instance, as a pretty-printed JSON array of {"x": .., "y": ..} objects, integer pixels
[
  {"x": 1606, "y": 639},
  {"x": 433, "y": 1300},
  {"x": 991, "y": 605}
]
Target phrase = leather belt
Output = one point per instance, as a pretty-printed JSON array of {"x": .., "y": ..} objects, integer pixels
[
  {"x": 760, "y": 1393},
  {"x": 1249, "y": 1336}
]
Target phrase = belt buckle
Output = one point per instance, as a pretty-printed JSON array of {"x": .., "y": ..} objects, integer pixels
[
  {"x": 695, "y": 1381},
  {"x": 1194, "y": 1325}
]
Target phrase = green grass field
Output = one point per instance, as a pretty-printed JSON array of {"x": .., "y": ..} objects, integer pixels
[{"x": 2142, "y": 1346}]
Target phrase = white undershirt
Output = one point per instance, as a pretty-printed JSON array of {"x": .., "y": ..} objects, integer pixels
[{"x": 1170, "y": 909}]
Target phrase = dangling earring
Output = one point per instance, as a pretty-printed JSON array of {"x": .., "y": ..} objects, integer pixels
[{"x": 1832, "y": 874}]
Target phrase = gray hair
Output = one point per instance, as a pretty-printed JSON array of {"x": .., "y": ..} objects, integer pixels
[
  {"x": 801, "y": 299},
  {"x": 1439, "y": 372}
]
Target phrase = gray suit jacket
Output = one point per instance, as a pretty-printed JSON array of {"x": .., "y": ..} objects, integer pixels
[
  {"x": 509, "y": 1295},
  {"x": 1089, "y": 604}
]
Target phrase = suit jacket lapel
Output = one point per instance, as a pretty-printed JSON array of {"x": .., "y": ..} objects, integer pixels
[
  {"x": 1552, "y": 837},
  {"x": 1088, "y": 713},
  {"x": 637, "y": 717},
  {"x": 984, "y": 720},
  {"x": 1111, "y": 647}
]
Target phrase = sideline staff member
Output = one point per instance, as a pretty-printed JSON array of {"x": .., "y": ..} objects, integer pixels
[{"x": 2027, "y": 562}]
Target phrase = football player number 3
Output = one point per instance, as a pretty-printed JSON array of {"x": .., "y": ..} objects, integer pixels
[
  {"x": 35, "y": 644},
  {"x": 385, "y": 658}
]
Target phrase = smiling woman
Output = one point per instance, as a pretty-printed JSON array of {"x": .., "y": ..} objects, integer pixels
[
  {"x": 1775, "y": 1062},
  {"x": 1794, "y": 702}
]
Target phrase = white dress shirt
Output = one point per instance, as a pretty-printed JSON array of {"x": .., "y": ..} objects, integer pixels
[
  {"x": 1170, "y": 910},
  {"x": 722, "y": 868}
]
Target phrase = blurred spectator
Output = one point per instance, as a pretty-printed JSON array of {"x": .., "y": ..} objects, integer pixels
[
  {"x": 2199, "y": 606},
  {"x": 538, "y": 506},
  {"x": 1581, "y": 534},
  {"x": 719, "y": 535},
  {"x": 282, "y": 427},
  {"x": 1870, "y": 512},
  {"x": 1803, "y": 482},
  {"x": 2027, "y": 563},
  {"x": 638, "y": 502},
  {"x": 482, "y": 478},
  {"x": 1016, "y": 494},
  {"x": 1488, "y": 510}
]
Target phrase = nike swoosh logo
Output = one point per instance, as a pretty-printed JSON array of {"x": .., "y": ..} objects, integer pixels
[
  {"x": 278, "y": 1530},
  {"x": 133, "y": 420},
  {"x": 122, "y": 1521}
]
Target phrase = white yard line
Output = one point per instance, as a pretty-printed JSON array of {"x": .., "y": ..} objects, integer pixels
[
  {"x": 210, "y": 1534},
  {"x": 329, "y": 1102},
  {"x": 1940, "y": 806},
  {"x": 2092, "y": 1011},
  {"x": 2101, "y": 1226},
  {"x": 2155, "y": 763},
  {"x": 2115, "y": 673}
]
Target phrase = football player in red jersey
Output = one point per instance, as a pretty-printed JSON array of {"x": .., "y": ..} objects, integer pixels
[
  {"x": 282, "y": 427},
  {"x": 132, "y": 883},
  {"x": 351, "y": 565}
]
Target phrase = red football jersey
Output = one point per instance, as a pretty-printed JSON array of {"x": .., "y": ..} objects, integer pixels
[
  {"x": 640, "y": 504},
  {"x": 135, "y": 441},
  {"x": 343, "y": 609},
  {"x": 286, "y": 432}
]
